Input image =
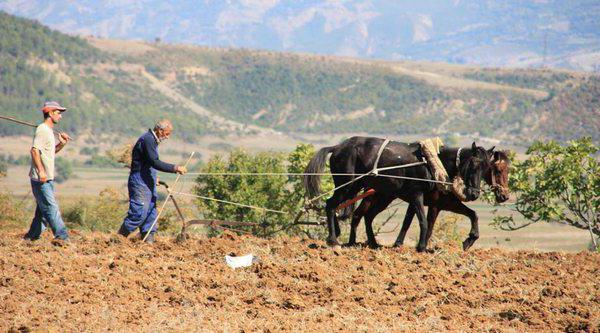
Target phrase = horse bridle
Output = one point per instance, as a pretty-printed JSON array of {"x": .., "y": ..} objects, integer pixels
[{"x": 495, "y": 186}]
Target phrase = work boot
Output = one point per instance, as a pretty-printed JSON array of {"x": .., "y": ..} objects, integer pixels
[
  {"x": 29, "y": 238},
  {"x": 150, "y": 239},
  {"x": 123, "y": 231},
  {"x": 58, "y": 242}
]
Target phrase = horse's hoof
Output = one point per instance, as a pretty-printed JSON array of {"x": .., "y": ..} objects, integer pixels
[
  {"x": 468, "y": 243},
  {"x": 374, "y": 246},
  {"x": 466, "y": 246},
  {"x": 334, "y": 245},
  {"x": 397, "y": 245},
  {"x": 351, "y": 244},
  {"x": 421, "y": 249}
]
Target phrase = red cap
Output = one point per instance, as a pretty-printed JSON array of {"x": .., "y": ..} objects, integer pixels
[{"x": 51, "y": 106}]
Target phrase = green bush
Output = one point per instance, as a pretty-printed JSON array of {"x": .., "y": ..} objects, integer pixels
[
  {"x": 89, "y": 151},
  {"x": 63, "y": 170},
  {"x": 104, "y": 213},
  {"x": 281, "y": 193},
  {"x": 3, "y": 168},
  {"x": 102, "y": 162}
]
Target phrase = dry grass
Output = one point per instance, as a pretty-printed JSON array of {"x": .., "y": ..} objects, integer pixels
[{"x": 125, "y": 47}]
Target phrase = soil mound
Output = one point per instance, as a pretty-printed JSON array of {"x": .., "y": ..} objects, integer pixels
[{"x": 106, "y": 282}]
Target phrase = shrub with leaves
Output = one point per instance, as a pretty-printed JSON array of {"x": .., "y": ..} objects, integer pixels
[
  {"x": 104, "y": 213},
  {"x": 558, "y": 184},
  {"x": 63, "y": 170},
  {"x": 279, "y": 192},
  {"x": 3, "y": 168}
]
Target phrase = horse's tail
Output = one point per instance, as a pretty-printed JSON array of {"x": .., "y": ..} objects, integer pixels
[{"x": 312, "y": 183}]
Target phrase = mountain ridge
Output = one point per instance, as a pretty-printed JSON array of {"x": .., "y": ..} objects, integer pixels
[{"x": 509, "y": 33}]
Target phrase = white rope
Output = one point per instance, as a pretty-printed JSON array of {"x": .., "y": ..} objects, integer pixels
[
  {"x": 375, "y": 171},
  {"x": 337, "y": 188},
  {"x": 381, "y": 175},
  {"x": 419, "y": 179},
  {"x": 229, "y": 202},
  {"x": 239, "y": 174}
]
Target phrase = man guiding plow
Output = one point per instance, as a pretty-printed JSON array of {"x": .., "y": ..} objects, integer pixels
[{"x": 143, "y": 181}]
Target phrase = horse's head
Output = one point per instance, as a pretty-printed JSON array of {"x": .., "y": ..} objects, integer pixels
[
  {"x": 497, "y": 175},
  {"x": 471, "y": 169}
]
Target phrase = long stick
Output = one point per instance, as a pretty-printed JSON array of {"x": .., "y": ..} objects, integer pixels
[
  {"x": 166, "y": 199},
  {"x": 27, "y": 124},
  {"x": 176, "y": 206}
]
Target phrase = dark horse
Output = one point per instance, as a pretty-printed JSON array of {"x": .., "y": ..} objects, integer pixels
[
  {"x": 357, "y": 155},
  {"x": 496, "y": 176}
]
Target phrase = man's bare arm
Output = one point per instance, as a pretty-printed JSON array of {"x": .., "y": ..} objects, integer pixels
[
  {"x": 62, "y": 138},
  {"x": 37, "y": 162}
]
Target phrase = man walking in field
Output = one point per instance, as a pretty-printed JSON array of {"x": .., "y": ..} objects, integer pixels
[
  {"x": 142, "y": 181},
  {"x": 41, "y": 174}
]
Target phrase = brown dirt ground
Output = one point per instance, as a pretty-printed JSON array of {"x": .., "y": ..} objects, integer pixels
[{"x": 103, "y": 282}]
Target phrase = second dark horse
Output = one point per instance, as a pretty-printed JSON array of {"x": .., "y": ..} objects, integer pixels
[{"x": 357, "y": 155}]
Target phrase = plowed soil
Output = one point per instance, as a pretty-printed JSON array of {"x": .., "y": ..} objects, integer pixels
[{"x": 104, "y": 282}]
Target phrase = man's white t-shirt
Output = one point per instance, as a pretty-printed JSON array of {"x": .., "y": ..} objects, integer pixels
[{"x": 43, "y": 141}]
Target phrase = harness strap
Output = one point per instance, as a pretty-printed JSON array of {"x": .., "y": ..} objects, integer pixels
[{"x": 375, "y": 171}]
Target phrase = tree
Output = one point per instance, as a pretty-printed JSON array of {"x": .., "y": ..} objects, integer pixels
[
  {"x": 558, "y": 184},
  {"x": 259, "y": 191},
  {"x": 275, "y": 192}
]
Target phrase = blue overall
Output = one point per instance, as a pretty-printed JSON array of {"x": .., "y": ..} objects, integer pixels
[{"x": 142, "y": 184}]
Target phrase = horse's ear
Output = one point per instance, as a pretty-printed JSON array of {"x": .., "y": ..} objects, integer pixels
[
  {"x": 492, "y": 153},
  {"x": 474, "y": 147}
]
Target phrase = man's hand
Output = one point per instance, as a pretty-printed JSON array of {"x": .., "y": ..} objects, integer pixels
[
  {"x": 180, "y": 169},
  {"x": 42, "y": 176},
  {"x": 63, "y": 138}
]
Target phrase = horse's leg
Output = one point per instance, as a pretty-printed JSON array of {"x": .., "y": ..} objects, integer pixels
[
  {"x": 330, "y": 206},
  {"x": 460, "y": 208},
  {"x": 408, "y": 217},
  {"x": 419, "y": 207},
  {"x": 358, "y": 214},
  {"x": 336, "y": 225},
  {"x": 378, "y": 207},
  {"x": 432, "y": 214}
]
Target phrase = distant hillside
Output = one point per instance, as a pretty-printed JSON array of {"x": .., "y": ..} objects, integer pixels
[
  {"x": 38, "y": 64},
  {"x": 556, "y": 33},
  {"x": 121, "y": 87}
]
